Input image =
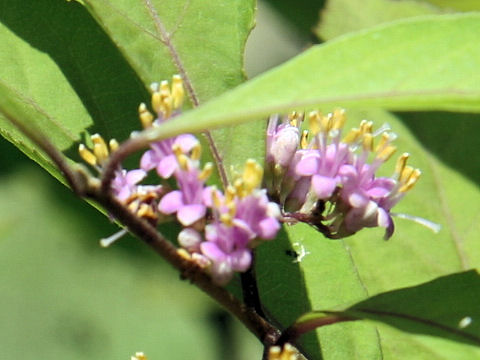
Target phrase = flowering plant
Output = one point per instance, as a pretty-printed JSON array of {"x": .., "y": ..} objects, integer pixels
[{"x": 279, "y": 220}]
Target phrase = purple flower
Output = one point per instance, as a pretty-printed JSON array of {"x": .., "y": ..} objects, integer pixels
[
  {"x": 125, "y": 183},
  {"x": 162, "y": 157}
]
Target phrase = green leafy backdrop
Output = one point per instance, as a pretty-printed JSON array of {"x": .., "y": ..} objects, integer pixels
[{"x": 73, "y": 70}]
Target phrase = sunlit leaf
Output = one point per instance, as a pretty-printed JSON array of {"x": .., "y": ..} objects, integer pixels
[{"x": 409, "y": 65}]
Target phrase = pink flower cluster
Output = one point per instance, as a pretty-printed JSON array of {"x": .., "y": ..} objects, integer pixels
[
  {"x": 330, "y": 182},
  {"x": 220, "y": 229}
]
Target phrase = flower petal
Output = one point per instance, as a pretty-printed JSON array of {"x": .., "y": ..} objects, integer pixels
[
  {"x": 188, "y": 214},
  {"x": 171, "y": 202},
  {"x": 323, "y": 186}
]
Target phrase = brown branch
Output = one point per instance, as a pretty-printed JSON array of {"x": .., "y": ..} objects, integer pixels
[{"x": 262, "y": 329}]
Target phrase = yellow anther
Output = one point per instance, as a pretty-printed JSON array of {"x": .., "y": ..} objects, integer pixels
[
  {"x": 183, "y": 161},
  {"x": 287, "y": 353},
  {"x": 366, "y": 127},
  {"x": 166, "y": 101},
  {"x": 146, "y": 117},
  {"x": 339, "y": 117},
  {"x": 183, "y": 254},
  {"x": 145, "y": 211},
  {"x": 87, "y": 155},
  {"x": 239, "y": 187},
  {"x": 113, "y": 145},
  {"x": 232, "y": 208},
  {"x": 384, "y": 140},
  {"x": 252, "y": 175},
  {"x": 215, "y": 198},
  {"x": 196, "y": 152},
  {"x": 97, "y": 139},
  {"x": 401, "y": 163},
  {"x": 177, "y": 149},
  {"x": 412, "y": 180},
  {"x": 206, "y": 172},
  {"x": 100, "y": 148},
  {"x": 315, "y": 119},
  {"x": 139, "y": 356},
  {"x": 230, "y": 193},
  {"x": 367, "y": 142},
  {"x": 178, "y": 92},
  {"x": 326, "y": 122},
  {"x": 293, "y": 116},
  {"x": 157, "y": 102},
  {"x": 304, "y": 139},
  {"x": 226, "y": 219},
  {"x": 352, "y": 136},
  {"x": 405, "y": 174},
  {"x": 386, "y": 153}
]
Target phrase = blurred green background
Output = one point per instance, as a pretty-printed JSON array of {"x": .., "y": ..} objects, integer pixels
[{"x": 64, "y": 297}]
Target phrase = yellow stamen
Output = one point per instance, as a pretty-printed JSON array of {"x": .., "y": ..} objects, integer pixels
[
  {"x": 196, "y": 152},
  {"x": 239, "y": 187},
  {"x": 87, "y": 155},
  {"x": 178, "y": 92},
  {"x": 406, "y": 173},
  {"x": 339, "y": 117},
  {"x": 146, "y": 117},
  {"x": 113, "y": 145},
  {"x": 184, "y": 254},
  {"x": 304, "y": 139},
  {"x": 206, "y": 172},
  {"x": 386, "y": 153},
  {"x": 215, "y": 198},
  {"x": 352, "y": 136},
  {"x": 226, "y": 219},
  {"x": 314, "y": 118},
  {"x": 326, "y": 122},
  {"x": 166, "y": 99},
  {"x": 100, "y": 148},
  {"x": 139, "y": 356},
  {"x": 384, "y": 140},
  {"x": 230, "y": 193},
  {"x": 412, "y": 180},
  {"x": 401, "y": 163},
  {"x": 157, "y": 101},
  {"x": 252, "y": 175},
  {"x": 366, "y": 127},
  {"x": 367, "y": 142},
  {"x": 145, "y": 211}
]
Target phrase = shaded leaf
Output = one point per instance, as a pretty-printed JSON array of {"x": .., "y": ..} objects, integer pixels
[
  {"x": 48, "y": 78},
  {"x": 445, "y": 307},
  {"x": 203, "y": 41}
]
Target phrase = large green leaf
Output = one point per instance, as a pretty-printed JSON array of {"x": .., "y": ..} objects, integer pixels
[
  {"x": 61, "y": 74},
  {"x": 203, "y": 41},
  {"x": 452, "y": 315},
  {"x": 62, "y": 70},
  {"x": 421, "y": 63}
]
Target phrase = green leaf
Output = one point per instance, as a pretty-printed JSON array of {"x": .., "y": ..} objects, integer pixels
[
  {"x": 61, "y": 68},
  {"x": 61, "y": 73},
  {"x": 201, "y": 40},
  {"x": 460, "y": 5},
  {"x": 343, "y": 16},
  {"x": 446, "y": 307},
  {"x": 413, "y": 64}
]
